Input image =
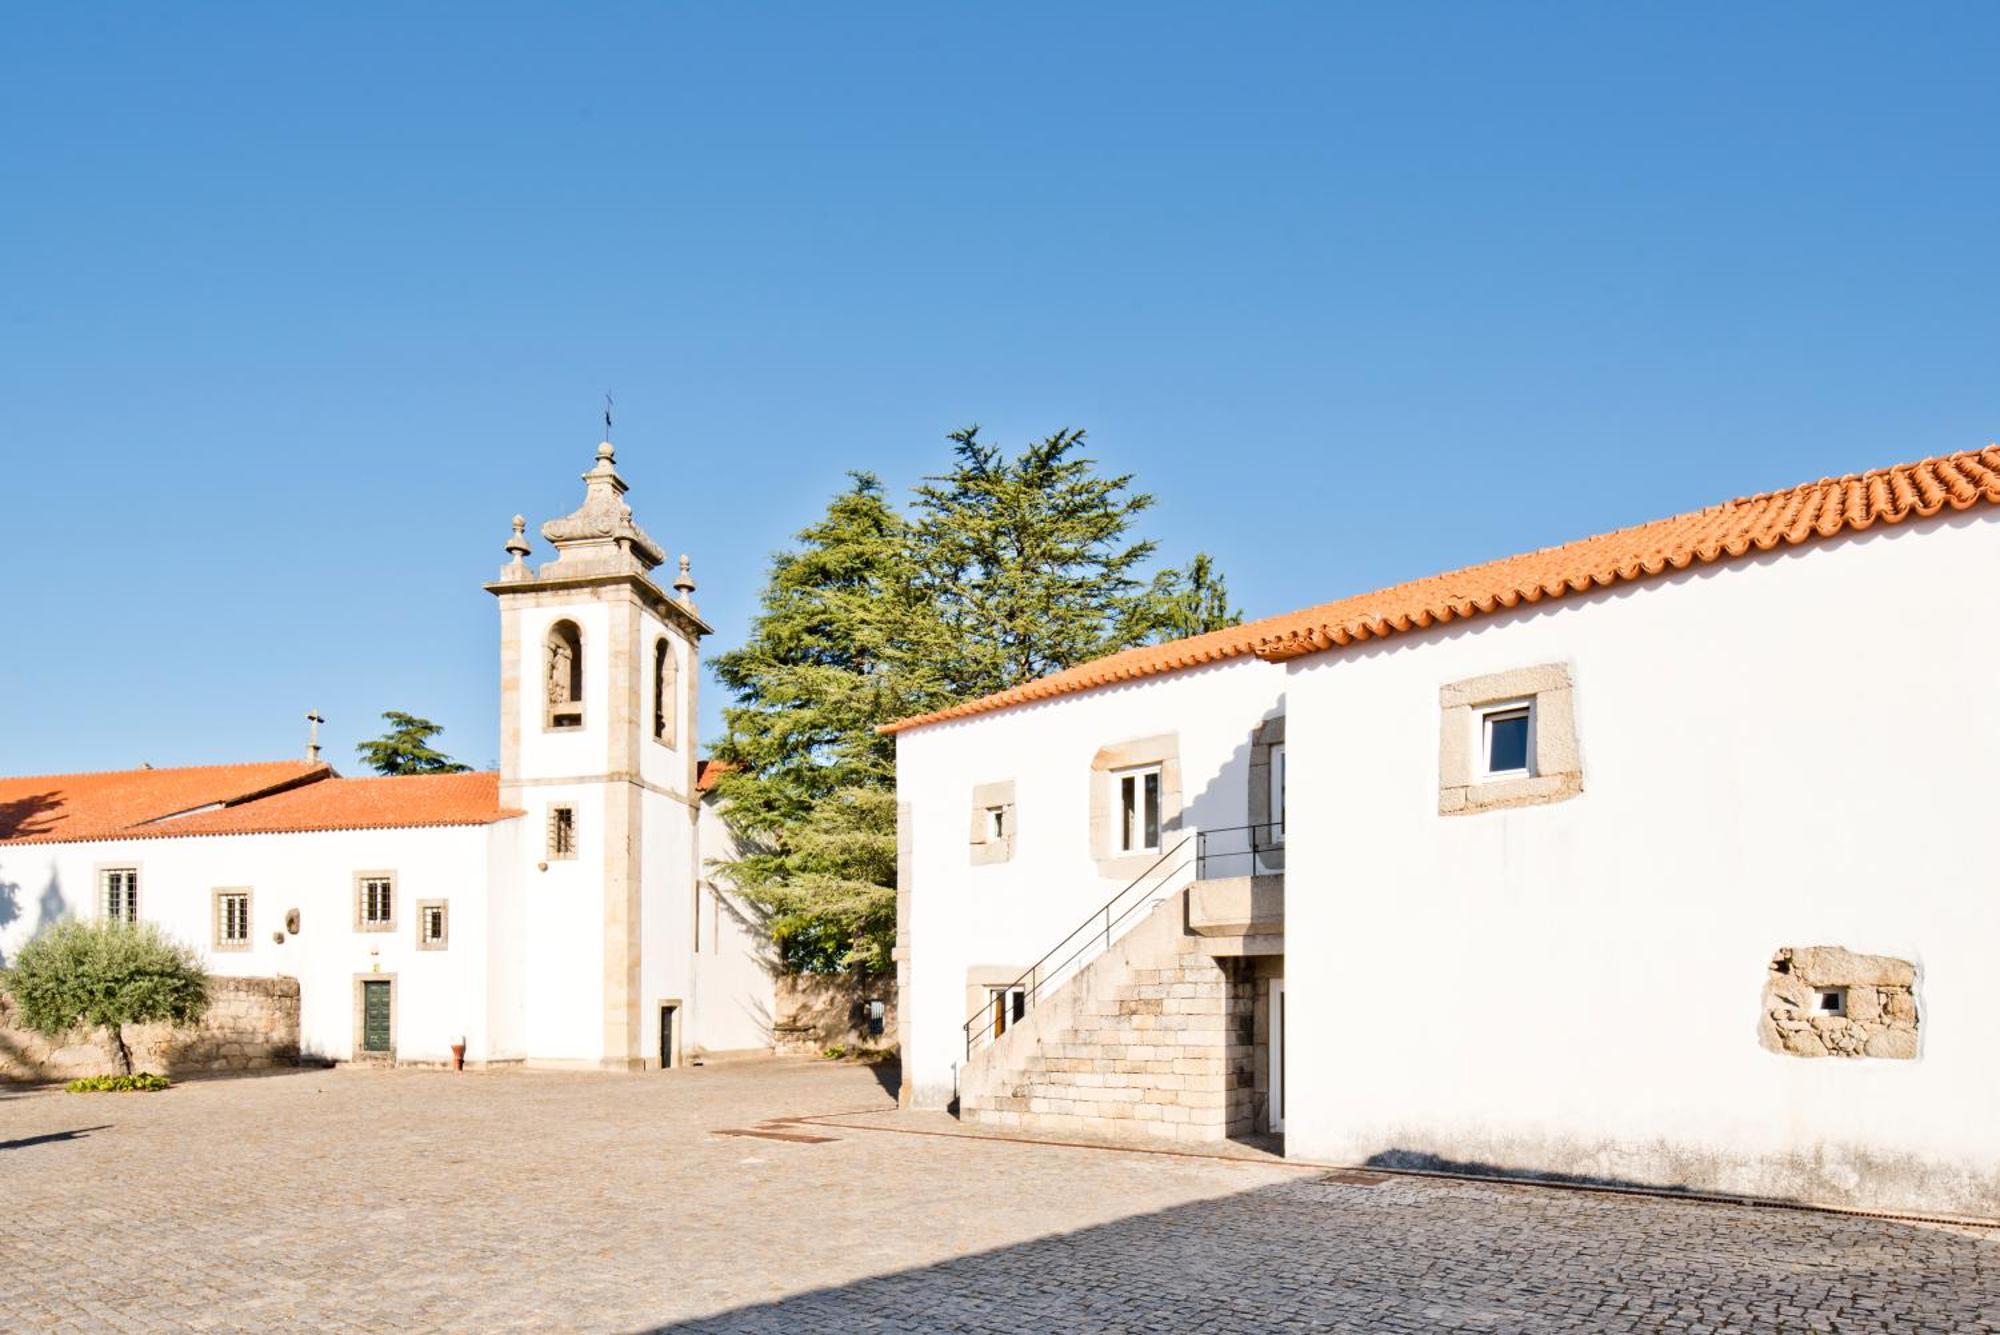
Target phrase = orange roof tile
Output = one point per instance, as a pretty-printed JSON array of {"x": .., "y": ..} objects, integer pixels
[
  {"x": 1760, "y": 523},
  {"x": 271, "y": 797},
  {"x": 378, "y": 803},
  {"x": 708, "y": 772},
  {"x": 50, "y": 807}
]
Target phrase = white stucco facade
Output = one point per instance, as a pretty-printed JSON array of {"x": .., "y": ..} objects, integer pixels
[
  {"x": 1771, "y": 752},
  {"x": 560, "y": 956}
]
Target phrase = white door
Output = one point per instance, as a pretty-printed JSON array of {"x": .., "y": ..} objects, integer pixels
[{"x": 1277, "y": 1054}]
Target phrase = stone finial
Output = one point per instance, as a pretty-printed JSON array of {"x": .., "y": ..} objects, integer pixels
[
  {"x": 600, "y": 534},
  {"x": 684, "y": 584},
  {"x": 518, "y": 548}
]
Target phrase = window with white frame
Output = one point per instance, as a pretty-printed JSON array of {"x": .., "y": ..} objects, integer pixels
[
  {"x": 121, "y": 894},
  {"x": 232, "y": 919},
  {"x": 433, "y": 925},
  {"x": 1507, "y": 740},
  {"x": 375, "y": 901},
  {"x": 1138, "y": 797},
  {"x": 1009, "y": 1005}
]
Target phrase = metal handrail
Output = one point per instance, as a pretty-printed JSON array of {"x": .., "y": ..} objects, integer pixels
[
  {"x": 1034, "y": 979},
  {"x": 1261, "y": 851}
]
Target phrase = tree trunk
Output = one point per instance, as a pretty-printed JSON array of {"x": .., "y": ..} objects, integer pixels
[{"x": 119, "y": 1050}]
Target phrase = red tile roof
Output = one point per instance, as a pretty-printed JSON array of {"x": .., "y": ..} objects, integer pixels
[
  {"x": 1806, "y": 513},
  {"x": 51, "y": 807},
  {"x": 236, "y": 799},
  {"x": 376, "y": 803},
  {"x": 708, "y": 772}
]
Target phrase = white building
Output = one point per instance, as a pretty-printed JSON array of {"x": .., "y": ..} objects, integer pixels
[
  {"x": 558, "y": 912},
  {"x": 1661, "y": 857}
]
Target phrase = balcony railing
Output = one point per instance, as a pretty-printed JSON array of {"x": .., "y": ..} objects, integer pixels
[{"x": 1240, "y": 850}]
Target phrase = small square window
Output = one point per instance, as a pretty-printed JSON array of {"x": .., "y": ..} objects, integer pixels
[
  {"x": 1830, "y": 1001},
  {"x": 232, "y": 919},
  {"x": 433, "y": 924},
  {"x": 375, "y": 901},
  {"x": 1506, "y": 741}
]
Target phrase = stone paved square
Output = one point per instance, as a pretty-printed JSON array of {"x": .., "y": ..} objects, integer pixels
[{"x": 401, "y": 1199}]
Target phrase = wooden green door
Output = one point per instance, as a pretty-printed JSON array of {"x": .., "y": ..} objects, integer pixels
[{"x": 375, "y": 1020}]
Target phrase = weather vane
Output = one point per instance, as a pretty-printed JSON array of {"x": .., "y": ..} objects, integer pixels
[{"x": 607, "y": 414}]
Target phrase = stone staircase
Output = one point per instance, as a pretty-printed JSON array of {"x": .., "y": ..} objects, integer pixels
[{"x": 1153, "y": 1040}]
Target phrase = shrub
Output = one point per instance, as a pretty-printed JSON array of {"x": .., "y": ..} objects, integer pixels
[
  {"x": 143, "y": 1083},
  {"x": 106, "y": 974}
]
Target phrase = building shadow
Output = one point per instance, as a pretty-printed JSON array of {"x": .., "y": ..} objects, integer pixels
[{"x": 1415, "y": 1254}]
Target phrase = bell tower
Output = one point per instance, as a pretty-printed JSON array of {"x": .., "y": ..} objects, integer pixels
[{"x": 597, "y": 745}]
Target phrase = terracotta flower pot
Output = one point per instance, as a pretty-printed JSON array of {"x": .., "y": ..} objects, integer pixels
[{"x": 458, "y": 1056}]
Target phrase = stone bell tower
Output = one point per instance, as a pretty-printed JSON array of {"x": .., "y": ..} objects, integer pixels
[{"x": 597, "y": 722}]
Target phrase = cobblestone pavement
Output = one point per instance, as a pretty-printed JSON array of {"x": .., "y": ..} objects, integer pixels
[{"x": 379, "y": 1200}]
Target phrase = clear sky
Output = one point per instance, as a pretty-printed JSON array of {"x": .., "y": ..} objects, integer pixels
[{"x": 298, "y": 304}]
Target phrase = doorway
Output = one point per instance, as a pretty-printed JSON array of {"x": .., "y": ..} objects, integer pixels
[
  {"x": 1277, "y": 1027},
  {"x": 669, "y": 1022},
  {"x": 378, "y": 1021}
]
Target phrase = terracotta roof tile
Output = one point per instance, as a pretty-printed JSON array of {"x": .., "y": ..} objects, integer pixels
[
  {"x": 50, "y": 807},
  {"x": 1760, "y": 523},
  {"x": 261, "y": 798},
  {"x": 378, "y": 803}
]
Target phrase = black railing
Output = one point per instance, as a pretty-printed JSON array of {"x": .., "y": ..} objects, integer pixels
[
  {"x": 1012, "y": 1003},
  {"x": 1240, "y": 850}
]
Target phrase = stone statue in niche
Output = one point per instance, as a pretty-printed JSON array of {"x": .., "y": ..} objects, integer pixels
[{"x": 560, "y": 660}]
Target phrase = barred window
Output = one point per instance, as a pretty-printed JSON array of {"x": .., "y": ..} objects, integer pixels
[
  {"x": 232, "y": 919},
  {"x": 433, "y": 924},
  {"x": 562, "y": 832},
  {"x": 121, "y": 894},
  {"x": 375, "y": 901}
]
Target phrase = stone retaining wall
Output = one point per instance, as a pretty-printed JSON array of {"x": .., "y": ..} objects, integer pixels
[
  {"x": 819, "y": 1011},
  {"x": 252, "y": 1024}
]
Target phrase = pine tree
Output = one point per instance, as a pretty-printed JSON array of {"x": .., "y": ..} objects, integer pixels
[
  {"x": 1027, "y": 560},
  {"x": 1014, "y": 567},
  {"x": 406, "y": 748},
  {"x": 810, "y": 788}
]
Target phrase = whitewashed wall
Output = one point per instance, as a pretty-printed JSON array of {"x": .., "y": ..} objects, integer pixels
[
  {"x": 440, "y": 995},
  {"x": 733, "y": 993},
  {"x": 1011, "y": 913},
  {"x": 1795, "y": 750}
]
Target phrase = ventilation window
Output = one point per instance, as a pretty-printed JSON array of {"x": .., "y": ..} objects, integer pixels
[
  {"x": 1505, "y": 741},
  {"x": 1830, "y": 1001},
  {"x": 996, "y": 822},
  {"x": 562, "y": 832}
]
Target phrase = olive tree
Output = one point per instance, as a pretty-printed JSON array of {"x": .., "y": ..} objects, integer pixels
[{"x": 106, "y": 974}]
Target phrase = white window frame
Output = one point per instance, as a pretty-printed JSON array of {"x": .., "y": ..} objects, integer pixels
[
  {"x": 1009, "y": 1003},
  {"x": 221, "y": 898},
  {"x": 108, "y": 901},
  {"x": 363, "y": 921},
  {"x": 425, "y": 908},
  {"x": 1483, "y": 720},
  {"x": 1276, "y": 834},
  {"x": 1131, "y": 834}
]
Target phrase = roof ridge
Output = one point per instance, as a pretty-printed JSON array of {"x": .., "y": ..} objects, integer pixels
[
  {"x": 1885, "y": 470},
  {"x": 164, "y": 769}
]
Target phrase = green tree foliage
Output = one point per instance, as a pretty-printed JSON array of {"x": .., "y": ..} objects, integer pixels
[
  {"x": 106, "y": 974},
  {"x": 1010, "y": 568},
  {"x": 406, "y": 748}
]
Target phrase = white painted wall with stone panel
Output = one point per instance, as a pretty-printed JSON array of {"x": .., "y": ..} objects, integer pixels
[
  {"x": 1790, "y": 751},
  {"x": 1009, "y": 913}
]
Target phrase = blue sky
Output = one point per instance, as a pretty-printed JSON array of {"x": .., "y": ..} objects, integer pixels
[{"x": 298, "y": 304}]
